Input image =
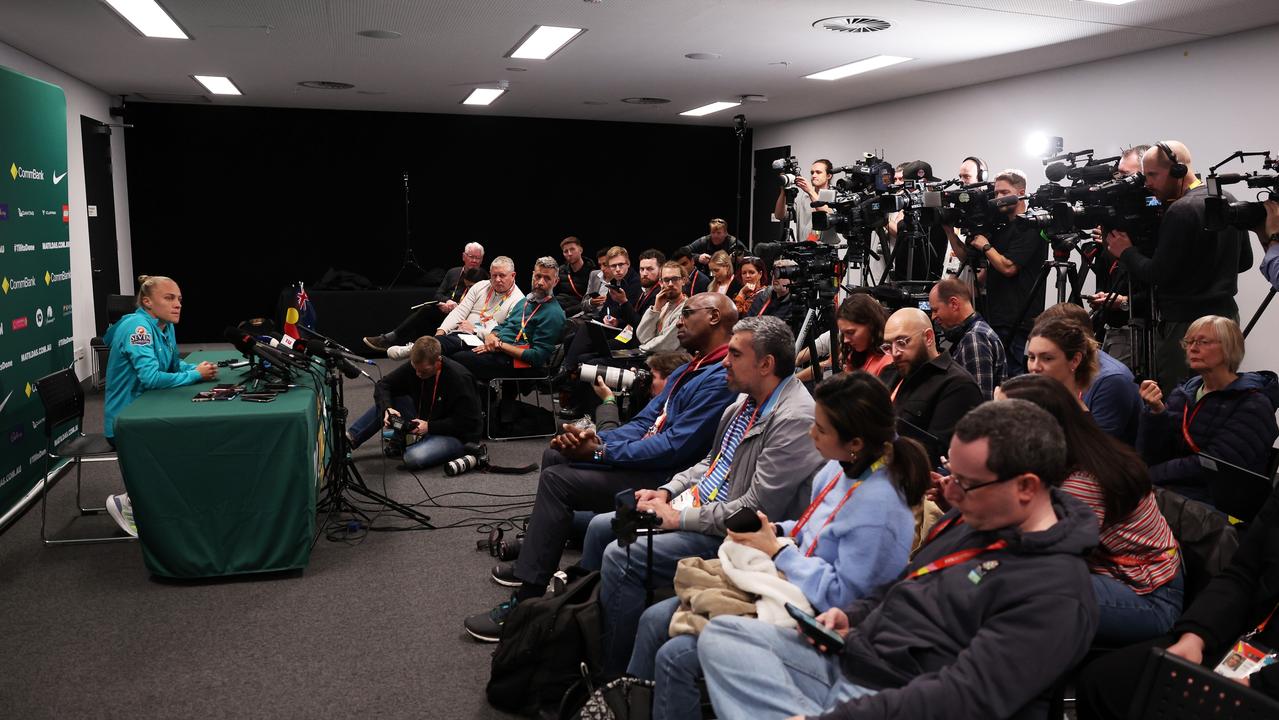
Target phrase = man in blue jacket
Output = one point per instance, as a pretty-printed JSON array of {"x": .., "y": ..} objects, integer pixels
[
  {"x": 144, "y": 356},
  {"x": 584, "y": 470}
]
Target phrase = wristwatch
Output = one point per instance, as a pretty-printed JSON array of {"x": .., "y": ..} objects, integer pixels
[{"x": 987, "y": 249}]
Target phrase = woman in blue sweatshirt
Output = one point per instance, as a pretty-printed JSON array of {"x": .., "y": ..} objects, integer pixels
[
  {"x": 855, "y": 536},
  {"x": 144, "y": 356}
]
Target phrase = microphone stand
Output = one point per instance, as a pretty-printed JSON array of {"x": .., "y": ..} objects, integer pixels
[{"x": 410, "y": 260}]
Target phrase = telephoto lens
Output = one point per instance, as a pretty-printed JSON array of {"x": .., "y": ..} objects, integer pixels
[
  {"x": 464, "y": 464},
  {"x": 615, "y": 378}
]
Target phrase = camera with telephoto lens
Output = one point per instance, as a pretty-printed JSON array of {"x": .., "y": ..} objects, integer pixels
[
  {"x": 616, "y": 378},
  {"x": 1221, "y": 213},
  {"x": 399, "y": 436},
  {"x": 475, "y": 455},
  {"x": 788, "y": 170},
  {"x": 629, "y": 520}
]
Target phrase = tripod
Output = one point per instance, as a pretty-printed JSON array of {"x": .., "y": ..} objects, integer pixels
[
  {"x": 410, "y": 260},
  {"x": 1066, "y": 276},
  {"x": 1260, "y": 309},
  {"x": 342, "y": 478}
]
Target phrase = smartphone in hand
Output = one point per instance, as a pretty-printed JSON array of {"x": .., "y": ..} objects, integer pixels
[
  {"x": 744, "y": 520},
  {"x": 817, "y": 632}
]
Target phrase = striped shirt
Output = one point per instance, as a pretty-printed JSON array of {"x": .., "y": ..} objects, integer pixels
[{"x": 1140, "y": 551}]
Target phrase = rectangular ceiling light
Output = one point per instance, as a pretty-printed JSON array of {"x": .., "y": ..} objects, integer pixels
[
  {"x": 1112, "y": 2},
  {"x": 708, "y": 109},
  {"x": 543, "y": 41},
  {"x": 148, "y": 18},
  {"x": 217, "y": 84},
  {"x": 483, "y": 96},
  {"x": 857, "y": 68}
]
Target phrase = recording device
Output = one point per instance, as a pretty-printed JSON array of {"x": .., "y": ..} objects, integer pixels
[
  {"x": 399, "y": 428},
  {"x": 338, "y": 357},
  {"x": 862, "y": 200},
  {"x": 496, "y": 545},
  {"x": 974, "y": 208},
  {"x": 475, "y": 455},
  {"x": 827, "y": 640},
  {"x": 251, "y": 347},
  {"x": 1097, "y": 196},
  {"x": 812, "y": 277},
  {"x": 1220, "y": 213},
  {"x": 788, "y": 170},
  {"x": 743, "y": 520},
  {"x": 616, "y": 378},
  {"x": 628, "y": 520}
]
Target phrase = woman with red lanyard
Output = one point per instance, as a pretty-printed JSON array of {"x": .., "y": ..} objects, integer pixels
[
  {"x": 1136, "y": 569},
  {"x": 1219, "y": 412},
  {"x": 855, "y": 536},
  {"x": 752, "y": 272}
]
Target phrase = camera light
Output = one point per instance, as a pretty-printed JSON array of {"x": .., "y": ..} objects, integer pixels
[
  {"x": 857, "y": 68},
  {"x": 1041, "y": 144},
  {"x": 708, "y": 109}
]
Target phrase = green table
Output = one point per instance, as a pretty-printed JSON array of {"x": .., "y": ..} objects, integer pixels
[{"x": 223, "y": 487}]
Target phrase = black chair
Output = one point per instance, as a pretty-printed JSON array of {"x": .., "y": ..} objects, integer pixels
[
  {"x": 1174, "y": 689},
  {"x": 63, "y": 400},
  {"x": 117, "y": 307}
]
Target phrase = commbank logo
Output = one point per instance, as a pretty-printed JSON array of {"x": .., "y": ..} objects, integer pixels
[
  {"x": 16, "y": 172},
  {"x": 16, "y": 284},
  {"x": 56, "y": 277}
]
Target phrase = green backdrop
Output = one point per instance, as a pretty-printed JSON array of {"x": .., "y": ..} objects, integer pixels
[{"x": 35, "y": 271}]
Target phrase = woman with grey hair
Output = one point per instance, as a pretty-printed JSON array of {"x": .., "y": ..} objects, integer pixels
[{"x": 1219, "y": 412}]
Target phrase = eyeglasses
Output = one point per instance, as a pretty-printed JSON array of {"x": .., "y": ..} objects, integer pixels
[
  {"x": 686, "y": 312},
  {"x": 965, "y": 489},
  {"x": 900, "y": 343},
  {"x": 1198, "y": 342},
  {"x": 671, "y": 280},
  {"x": 617, "y": 266}
]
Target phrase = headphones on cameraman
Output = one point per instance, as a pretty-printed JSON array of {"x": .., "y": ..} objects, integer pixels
[
  {"x": 982, "y": 170},
  {"x": 498, "y": 547},
  {"x": 1177, "y": 169}
]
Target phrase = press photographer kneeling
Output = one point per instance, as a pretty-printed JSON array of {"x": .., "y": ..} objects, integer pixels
[{"x": 430, "y": 397}]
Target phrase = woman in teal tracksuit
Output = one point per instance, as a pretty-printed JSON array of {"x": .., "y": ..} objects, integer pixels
[{"x": 144, "y": 356}]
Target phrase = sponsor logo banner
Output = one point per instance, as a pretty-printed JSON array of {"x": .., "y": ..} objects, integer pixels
[
  {"x": 19, "y": 323},
  {"x": 20, "y": 173},
  {"x": 10, "y": 284},
  {"x": 23, "y": 247}
]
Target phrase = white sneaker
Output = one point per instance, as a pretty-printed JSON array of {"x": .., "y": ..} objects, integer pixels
[
  {"x": 398, "y": 352},
  {"x": 121, "y": 510}
]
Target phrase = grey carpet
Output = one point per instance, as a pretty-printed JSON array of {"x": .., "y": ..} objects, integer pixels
[{"x": 372, "y": 628}]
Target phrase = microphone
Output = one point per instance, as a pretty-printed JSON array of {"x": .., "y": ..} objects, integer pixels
[
  {"x": 249, "y": 345},
  {"x": 779, "y": 164},
  {"x": 294, "y": 357},
  {"x": 338, "y": 357},
  {"x": 1006, "y": 201},
  {"x": 1056, "y": 172}
]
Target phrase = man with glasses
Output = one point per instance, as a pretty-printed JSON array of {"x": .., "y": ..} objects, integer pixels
[
  {"x": 994, "y": 608},
  {"x": 584, "y": 469},
  {"x": 427, "y": 318},
  {"x": 776, "y": 301},
  {"x": 622, "y": 286},
  {"x": 930, "y": 391}
]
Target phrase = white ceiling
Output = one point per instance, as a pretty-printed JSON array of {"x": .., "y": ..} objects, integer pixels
[{"x": 631, "y": 48}]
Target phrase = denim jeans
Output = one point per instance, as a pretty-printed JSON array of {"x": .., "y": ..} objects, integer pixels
[
  {"x": 428, "y": 451},
  {"x": 669, "y": 661},
  {"x": 599, "y": 535},
  {"x": 622, "y": 595},
  {"x": 1127, "y": 617},
  {"x": 370, "y": 423},
  {"x": 766, "y": 672}
]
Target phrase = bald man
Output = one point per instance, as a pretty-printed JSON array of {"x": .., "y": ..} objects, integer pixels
[
  {"x": 1195, "y": 271},
  {"x": 931, "y": 391}
]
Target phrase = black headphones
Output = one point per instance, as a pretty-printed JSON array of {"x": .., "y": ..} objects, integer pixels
[
  {"x": 1177, "y": 169},
  {"x": 981, "y": 167},
  {"x": 499, "y": 547}
]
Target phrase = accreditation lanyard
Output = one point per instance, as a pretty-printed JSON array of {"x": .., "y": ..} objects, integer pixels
[
  {"x": 525, "y": 316},
  {"x": 572, "y": 285},
  {"x": 764, "y": 307},
  {"x": 955, "y": 558},
  {"x": 639, "y": 301},
  {"x": 434, "y": 390},
  {"x": 488, "y": 311},
  {"x": 674, "y": 385},
  {"x": 803, "y": 519},
  {"x": 1188, "y": 419},
  {"x": 763, "y": 410},
  {"x": 897, "y": 387},
  {"x": 1262, "y": 627}
]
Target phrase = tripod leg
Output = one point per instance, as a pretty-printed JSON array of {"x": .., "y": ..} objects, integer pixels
[{"x": 1261, "y": 309}]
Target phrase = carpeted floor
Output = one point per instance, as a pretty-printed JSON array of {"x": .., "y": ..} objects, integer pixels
[{"x": 372, "y": 628}]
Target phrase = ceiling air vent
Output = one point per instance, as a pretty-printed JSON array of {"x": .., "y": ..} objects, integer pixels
[
  {"x": 645, "y": 100},
  {"x": 326, "y": 85},
  {"x": 852, "y": 24}
]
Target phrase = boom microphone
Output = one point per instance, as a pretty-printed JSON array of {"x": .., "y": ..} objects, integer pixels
[
  {"x": 1056, "y": 172},
  {"x": 249, "y": 346}
]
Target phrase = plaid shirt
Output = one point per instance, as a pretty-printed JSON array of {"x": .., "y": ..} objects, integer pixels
[{"x": 980, "y": 352}]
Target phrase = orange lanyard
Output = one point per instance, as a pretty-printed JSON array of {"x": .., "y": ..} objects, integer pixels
[
  {"x": 764, "y": 307},
  {"x": 749, "y": 424},
  {"x": 639, "y": 302},
  {"x": 955, "y": 558},
  {"x": 897, "y": 387},
  {"x": 1262, "y": 627},
  {"x": 488, "y": 311},
  {"x": 434, "y": 390},
  {"x": 693, "y": 366},
  {"x": 941, "y": 526},
  {"x": 525, "y": 318},
  {"x": 572, "y": 285},
  {"x": 812, "y": 507},
  {"x": 1188, "y": 419}
]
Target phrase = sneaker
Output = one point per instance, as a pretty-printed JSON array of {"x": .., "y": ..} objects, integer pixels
[
  {"x": 557, "y": 584},
  {"x": 121, "y": 510},
  {"x": 504, "y": 574},
  {"x": 377, "y": 342},
  {"x": 487, "y": 626},
  {"x": 398, "y": 352}
]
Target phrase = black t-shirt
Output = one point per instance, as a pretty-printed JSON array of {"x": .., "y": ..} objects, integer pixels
[{"x": 1006, "y": 296}]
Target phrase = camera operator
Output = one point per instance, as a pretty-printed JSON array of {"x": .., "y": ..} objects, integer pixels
[
  {"x": 926, "y": 261},
  {"x": 1195, "y": 272},
  {"x": 777, "y": 300},
  {"x": 1268, "y": 236},
  {"x": 622, "y": 287},
  {"x": 436, "y": 399},
  {"x": 1015, "y": 253},
  {"x": 426, "y": 319},
  {"x": 705, "y": 246},
  {"x": 972, "y": 170},
  {"x": 575, "y": 274},
  {"x": 660, "y": 364},
  {"x": 1116, "y": 289},
  {"x": 820, "y": 172}
]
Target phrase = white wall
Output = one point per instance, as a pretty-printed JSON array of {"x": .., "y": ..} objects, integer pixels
[
  {"x": 1214, "y": 95},
  {"x": 83, "y": 99}
]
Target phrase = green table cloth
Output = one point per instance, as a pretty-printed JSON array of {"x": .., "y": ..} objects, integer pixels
[{"x": 223, "y": 487}]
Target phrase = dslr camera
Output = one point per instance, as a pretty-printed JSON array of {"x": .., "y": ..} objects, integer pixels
[
  {"x": 628, "y": 520},
  {"x": 616, "y": 378},
  {"x": 788, "y": 170},
  {"x": 474, "y": 456},
  {"x": 399, "y": 437}
]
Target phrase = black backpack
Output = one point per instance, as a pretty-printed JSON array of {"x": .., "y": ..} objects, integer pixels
[{"x": 544, "y": 643}]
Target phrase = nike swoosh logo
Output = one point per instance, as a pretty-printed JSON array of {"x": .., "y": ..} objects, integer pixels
[
  {"x": 58, "y": 178},
  {"x": 6, "y": 400}
]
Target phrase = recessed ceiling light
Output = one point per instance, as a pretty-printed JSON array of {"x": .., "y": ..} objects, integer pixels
[
  {"x": 857, "y": 68},
  {"x": 702, "y": 56},
  {"x": 515, "y": 69},
  {"x": 708, "y": 109},
  {"x": 148, "y": 18},
  {"x": 325, "y": 85},
  {"x": 1112, "y": 2},
  {"x": 483, "y": 96},
  {"x": 543, "y": 41},
  {"x": 217, "y": 84},
  {"x": 380, "y": 34}
]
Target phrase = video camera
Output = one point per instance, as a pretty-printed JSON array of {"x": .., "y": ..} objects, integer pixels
[
  {"x": 788, "y": 170},
  {"x": 814, "y": 277},
  {"x": 628, "y": 520},
  {"x": 972, "y": 208},
  {"x": 1220, "y": 213},
  {"x": 862, "y": 201},
  {"x": 1097, "y": 196}
]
